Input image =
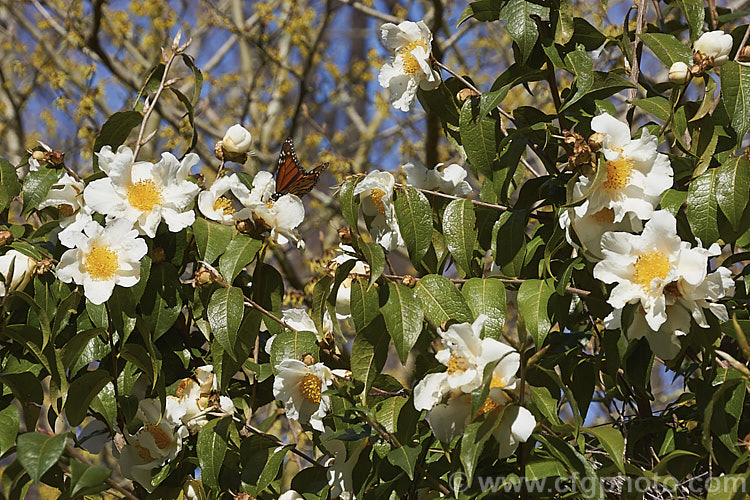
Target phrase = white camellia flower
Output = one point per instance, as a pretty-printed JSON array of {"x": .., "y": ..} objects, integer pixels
[
  {"x": 344, "y": 253},
  {"x": 281, "y": 216},
  {"x": 237, "y": 139},
  {"x": 195, "y": 400},
  {"x": 300, "y": 387},
  {"x": 663, "y": 274},
  {"x": 714, "y": 46},
  {"x": 300, "y": 320},
  {"x": 102, "y": 258},
  {"x": 340, "y": 467},
  {"x": 636, "y": 174},
  {"x": 450, "y": 419},
  {"x": 291, "y": 495},
  {"x": 410, "y": 69},
  {"x": 446, "y": 179},
  {"x": 158, "y": 441},
  {"x": 465, "y": 354},
  {"x": 67, "y": 196},
  {"x": 23, "y": 270},
  {"x": 215, "y": 205},
  {"x": 591, "y": 227},
  {"x": 142, "y": 192},
  {"x": 376, "y": 196}
]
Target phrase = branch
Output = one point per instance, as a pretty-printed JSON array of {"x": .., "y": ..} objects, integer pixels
[
  {"x": 510, "y": 281},
  {"x": 388, "y": 18}
]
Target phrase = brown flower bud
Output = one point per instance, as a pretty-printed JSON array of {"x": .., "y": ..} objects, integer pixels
[
  {"x": 43, "y": 266},
  {"x": 745, "y": 53},
  {"x": 38, "y": 155},
  {"x": 308, "y": 359},
  {"x": 345, "y": 235},
  {"x": 244, "y": 226},
  {"x": 465, "y": 94},
  {"x": 54, "y": 157},
  {"x": 5, "y": 237},
  {"x": 595, "y": 141},
  {"x": 409, "y": 280},
  {"x": 203, "y": 277}
]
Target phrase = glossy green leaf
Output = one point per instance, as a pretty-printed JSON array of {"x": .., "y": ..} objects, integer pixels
[
  {"x": 414, "y": 216},
  {"x": 520, "y": 26},
  {"x": 82, "y": 391},
  {"x": 509, "y": 242},
  {"x": 480, "y": 136},
  {"x": 460, "y": 234},
  {"x": 612, "y": 441},
  {"x": 115, "y": 132},
  {"x": 733, "y": 189},
  {"x": 87, "y": 478},
  {"x": 702, "y": 207},
  {"x": 735, "y": 89},
  {"x": 373, "y": 254},
  {"x": 225, "y": 310},
  {"x": 667, "y": 48},
  {"x": 583, "y": 67},
  {"x": 238, "y": 254},
  {"x": 487, "y": 296},
  {"x": 405, "y": 457},
  {"x": 481, "y": 10},
  {"x": 369, "y": 353},
  {"x": 211, "y": 238},
  {"x": 9, "y": 422},
  {"x": 403, "y": 315},
  {"x": 161, "y": 303},
  {"x": 36, "y": 186},
  {"x": 533, "y": 296},
  {"x": 695, "y": 15},
  {"x": 441, "y": 300},
  {"x": 38, "y": 452},
  {"x": 9, "y": 185},
  {"x": 363, "y": 303},
  {"x": 211, "y": 449}
]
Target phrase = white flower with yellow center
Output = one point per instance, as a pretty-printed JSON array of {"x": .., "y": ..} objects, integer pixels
[
  {"x": 714, "y": 47},
  {"x": 635, "y": 178},
  {"x": 655, "y": 268},
  {"x": 410, "y": 69},
  {"x": 450, "y": 419},
  {"x": 219, "y": 205},
  {"x": 446, "y": 179},
  {"x": 195, "y": 399},
  {"x": 300, "y": 320},
  {"x": 591, "y": 227},
  {"x": 376, "y": 196},
  {"x": 281, "y": 216},
  {"x": 23, "y": 269},
  {"x": 102, "y": 258},
  {"x": 300, "y": 387},
  {"x": 67, "y": 197},
  {"x": 142, "y": 192},
  {"x": 155, "y": 443},
  {"x": 465, "y": 354}
]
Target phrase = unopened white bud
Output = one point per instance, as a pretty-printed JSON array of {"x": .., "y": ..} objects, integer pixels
[
  {"x": 714, "y": 46},
  {"x": 679, "y": 73},
  {"x": 23, "y": 270},
  {"x": 237, "y": 139}
]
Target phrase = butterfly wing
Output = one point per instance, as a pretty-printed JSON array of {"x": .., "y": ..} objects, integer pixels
[{"x": 291, "y": 178}]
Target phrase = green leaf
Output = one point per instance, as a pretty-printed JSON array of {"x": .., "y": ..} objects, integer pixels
[
  {"x": 211, "y": 238},
  {"x": 695, "y": 15},
  {"x": 320, "y": 294},
  {"x": 142, "y": 359},
  {"x": 545, "y": 403},
  {"x": 672, "y": 200},
  {"x": 657, "y": 106},
  {"x": 294, "y": 345},
  {"x": 405, "y": 457},
  {"x": 36, "y": 186},
  {"x": 82, "y": 391},
  {"x": 587, "y": 481},
  {"x": 225, "y": 310},
  {"x": 122, "y": 309},
  {"x": 87, "y": 478},
  {"x": 197, "y": 77},
  {"x": 190, "y": 112},
  {"x": 349, "y": 202},
  {"x": 115, "y": 132},
  {"x": 509, "y": 241},
  {"x": 38, "y": 452},
  {"x": 460, "y": 234},
  {"x": 403, "y": 318},
  {"x": 667, "y": 48},
  {"x": 211, "y": 448},
  {"x": 9, "y": 185},
  {"x": 520, "y": 26},
  {"x": 702, "y": 207},
  {"x": 612, "y": 441},
  {"x": 533, "y": 296},
  {"x": 482, "y": 10},
  {"x": 487, "y": 296},
  {"x": 583, "y": 67},
  {"x": 564, "y": 25},
  {"x": 473, "y": 440},
  {"x": 442, "y": 301},
  {"x": 239, "y": 253},
  {"x": 272, "y": 466},
  {"x": 369, "y": 353},
  {"x": 161, "y": 303},
  {"x": 373, "y": 254},
  {"x": 735, "y": 89},
  {"x": 363, "y": 304},
  {"x": 9, "y": 422},
  {"x": 480, "y": 136},
  {"x": 732, "y": 190},
  {"x": 415, "y": 222}
]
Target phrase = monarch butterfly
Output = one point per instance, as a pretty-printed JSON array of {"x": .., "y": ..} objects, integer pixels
[{"x": 291, "y": 178}]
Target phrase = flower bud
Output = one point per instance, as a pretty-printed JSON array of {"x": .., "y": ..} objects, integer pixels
[
  {"x": 714, "y": 46},
  {"x": 23, "y": 269},
  {"x": 237, "y": 140},
  {"x": 745, "y": 53},
  {"x": 679, "y": 73},
  {"x": 5, "y": 237}
]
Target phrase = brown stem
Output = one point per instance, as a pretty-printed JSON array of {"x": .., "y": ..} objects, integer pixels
[
  {"x": 510, "y": 281},
  {"x": 742, "y": 43}
]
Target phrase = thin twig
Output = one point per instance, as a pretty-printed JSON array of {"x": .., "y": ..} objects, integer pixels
[
  {"x": 510, "y": 281},
  {"x": 371, "y": 12},
  {"x": 278, "y": 442},
  {"x": 742, "y": 43}
]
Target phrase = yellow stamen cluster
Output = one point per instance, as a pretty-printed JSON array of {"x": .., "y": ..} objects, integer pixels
[
  {"x": 618, "y": 173},
  {"x": 650, "y": 265},
  {"x": 143, "y": 195},
  {"x": 377, "y": 200},
  {"x": 411, "y": 65},
  {"x": 488, "y": 406},
  {"x": 223, "y": 204},
  {"x": 457, "y": 364},
  {"x": 101, "y": 262},
  {"x": 310, "y": 387}
]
